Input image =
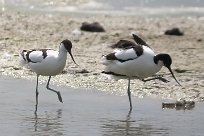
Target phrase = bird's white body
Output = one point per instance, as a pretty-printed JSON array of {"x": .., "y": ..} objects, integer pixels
[
  {"x": 136, "y": 66},
  {"x": 51, "y": 65},
  {"x": 131, "y": 61},
  {"x": 47, "y": 62}
]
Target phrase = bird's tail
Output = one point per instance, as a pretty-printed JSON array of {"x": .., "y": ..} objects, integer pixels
[
  {"x": 105, "y": 61},
  {"x": 22, "y": 57}
]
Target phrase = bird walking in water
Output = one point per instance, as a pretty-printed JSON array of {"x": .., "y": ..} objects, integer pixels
[
  {"x": 134, "y": 61},
  {"x": 47, "y": 62}
]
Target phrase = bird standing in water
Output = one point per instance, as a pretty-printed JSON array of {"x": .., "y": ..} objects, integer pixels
[
  {"x": 47, "y": 62},
  {"x": 134, "y": 61}
]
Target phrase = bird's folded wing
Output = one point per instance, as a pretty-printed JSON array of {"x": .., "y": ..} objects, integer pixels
[
  {"x": 125, "y": 55},
  {"x": 34, "y": 56}
]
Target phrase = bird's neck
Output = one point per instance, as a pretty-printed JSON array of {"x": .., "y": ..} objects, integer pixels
[{"x": 62, "y": 52}]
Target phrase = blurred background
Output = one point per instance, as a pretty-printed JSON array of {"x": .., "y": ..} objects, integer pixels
[{"x": 130, "y": 7}]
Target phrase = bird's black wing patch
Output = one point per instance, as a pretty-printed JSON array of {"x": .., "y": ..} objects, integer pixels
[
  {"x": 112, "y": 73},
  {"x": 27, "y": 55},
  {"x": 22, "y": 54},
  {"x": 123, "y": 44},
  {"x": 44, "y": 52},
  {"x": 139, "y": 40},
  {"x": 115, "y": 74},
  {"x": 112, "y": 56},
  {"x": 138, "y": 50}
]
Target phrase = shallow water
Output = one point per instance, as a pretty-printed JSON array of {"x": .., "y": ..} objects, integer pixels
[{"x": 89, "y": 113}]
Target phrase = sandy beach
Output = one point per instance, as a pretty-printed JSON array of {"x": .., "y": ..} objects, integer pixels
[{"x": 27, "y": 31}]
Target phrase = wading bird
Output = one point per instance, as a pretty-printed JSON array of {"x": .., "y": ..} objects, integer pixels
[
  {"x": 47, "y": 62},
  {"x": 134, "y": 61}
]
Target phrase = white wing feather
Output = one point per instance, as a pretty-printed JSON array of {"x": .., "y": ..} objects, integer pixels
[
  {"x": 36, "y": 56},
  {"x": 126, "y": 54}
]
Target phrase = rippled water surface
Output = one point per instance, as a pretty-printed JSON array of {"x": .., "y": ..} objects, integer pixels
[{"x": 89, "y": 113}]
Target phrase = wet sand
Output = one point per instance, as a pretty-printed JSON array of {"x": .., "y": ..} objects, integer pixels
[
  {"x": 89, "y": 113},
  {"x": 24, "y": 31}
]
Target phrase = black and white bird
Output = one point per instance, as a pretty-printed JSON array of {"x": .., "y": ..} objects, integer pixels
[
  {"x": 134, "y": 61},
  {"x": 47, "y": 62}
]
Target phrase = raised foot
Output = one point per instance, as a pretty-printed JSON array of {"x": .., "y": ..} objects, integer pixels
[
  {"x": 163, "y": 79},
  {"x": 59, "y": 97},
  {"x": 156, "y": 77}
]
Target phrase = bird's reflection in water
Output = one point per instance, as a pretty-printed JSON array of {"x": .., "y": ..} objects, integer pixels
[
  {"x": 47, "y": 123},
  {"x": 129, "y": 126}
]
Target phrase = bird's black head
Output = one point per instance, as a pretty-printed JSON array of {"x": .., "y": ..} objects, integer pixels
[
  {"x": 165, "y": 58},
  {"x": 167, "y": 61},
  {"x": 67, "y": 44}
]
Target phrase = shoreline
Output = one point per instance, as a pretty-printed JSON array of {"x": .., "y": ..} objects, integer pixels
[{"x": 24, "y": 31}]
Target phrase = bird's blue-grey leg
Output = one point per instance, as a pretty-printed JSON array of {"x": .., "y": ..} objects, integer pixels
[
  {"x": 58, "y": 93},
  {"x": 129, "y": 95},
  {"x": 159, "y": 77},
  {"x": 36, "y": 106}
]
